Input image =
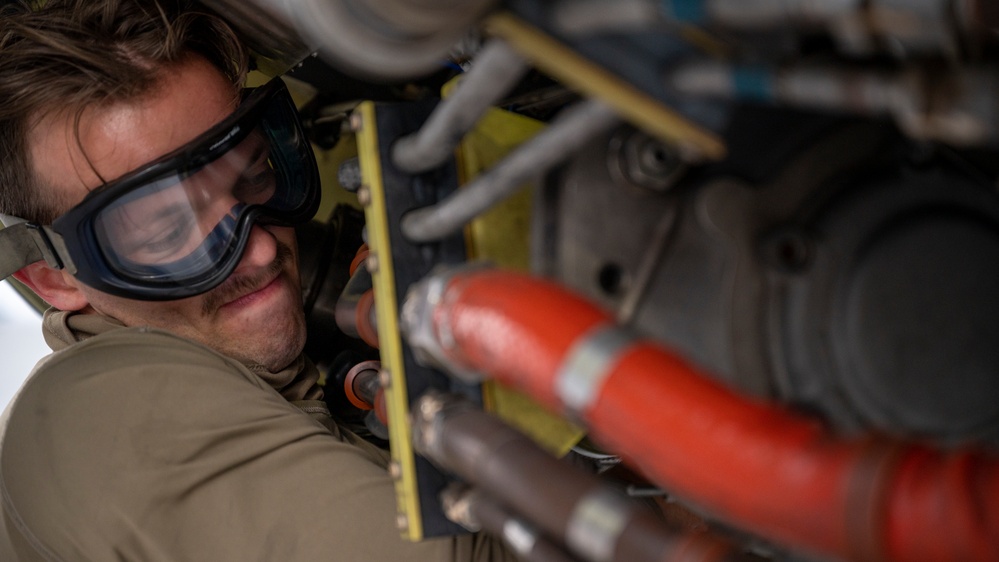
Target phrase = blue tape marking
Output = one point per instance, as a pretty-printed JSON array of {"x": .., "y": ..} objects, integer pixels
[
  {"x": 754, "y": 83},
  {"x": 690, "y": 11}
]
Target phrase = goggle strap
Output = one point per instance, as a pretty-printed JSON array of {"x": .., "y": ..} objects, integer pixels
[{"x": 23, "y": 244}]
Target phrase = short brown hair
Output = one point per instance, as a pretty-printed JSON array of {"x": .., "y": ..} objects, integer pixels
[{"x": 73, "y": 54}]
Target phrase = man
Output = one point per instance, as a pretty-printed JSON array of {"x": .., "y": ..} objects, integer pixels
[{"x": 177, "y": 419}]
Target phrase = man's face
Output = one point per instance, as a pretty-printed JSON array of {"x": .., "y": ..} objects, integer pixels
[{"x": 256, "y": 314}]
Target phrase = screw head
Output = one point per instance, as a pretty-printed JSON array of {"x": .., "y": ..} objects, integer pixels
[{"x": 356, "y": 122}]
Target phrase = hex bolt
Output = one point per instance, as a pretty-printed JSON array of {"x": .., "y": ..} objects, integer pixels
[
  {"x": 349, "y": 176},
  {"x": 646, "y": 161}
]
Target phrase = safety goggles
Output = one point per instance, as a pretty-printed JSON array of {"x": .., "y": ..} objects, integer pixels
[{"x": 177, "y": 227}]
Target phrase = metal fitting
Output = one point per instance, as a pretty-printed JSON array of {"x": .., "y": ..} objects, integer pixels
[
  {"x": 645, "y": 161},
  {"x": 431, "y": 345},
  {"x": 426, "y": 429},
  {"x": 457, "y": 500},
  {"x": 430, "y": 414},
  {"x": 349, "y": 175},
  {"x": 361, "y": 384}
]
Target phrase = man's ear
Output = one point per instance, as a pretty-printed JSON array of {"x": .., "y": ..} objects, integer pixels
[{"x": 55, "y": 286}]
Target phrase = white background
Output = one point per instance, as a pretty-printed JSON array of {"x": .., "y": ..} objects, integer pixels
[{"x": 21, "y": 343}]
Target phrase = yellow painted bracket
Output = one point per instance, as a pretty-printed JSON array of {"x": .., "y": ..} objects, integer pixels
[
  {"x": 383, "y": 277},
  {"x": 567, "y": 66}
]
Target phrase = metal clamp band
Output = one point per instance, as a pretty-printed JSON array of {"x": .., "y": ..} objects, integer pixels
[
  {"x": 587, "y": 366},
  {"x": 520, "y": 536},
  {"x": 596, "y": 524}
]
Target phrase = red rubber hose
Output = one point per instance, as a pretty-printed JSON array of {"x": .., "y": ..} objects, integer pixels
[{"x": 754, "y": 464}]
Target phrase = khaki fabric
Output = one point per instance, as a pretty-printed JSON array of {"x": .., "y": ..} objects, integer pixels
[{"x": 135, "y": 444}]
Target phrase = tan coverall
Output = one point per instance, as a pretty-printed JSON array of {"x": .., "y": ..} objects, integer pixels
[{"x": 135, "y": 444}]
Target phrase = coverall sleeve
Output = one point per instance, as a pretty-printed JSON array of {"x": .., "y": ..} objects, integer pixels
[{"x": 143, "y": 446}]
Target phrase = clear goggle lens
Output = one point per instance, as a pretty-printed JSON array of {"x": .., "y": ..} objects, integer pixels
[{"x": 171, "y": 228}]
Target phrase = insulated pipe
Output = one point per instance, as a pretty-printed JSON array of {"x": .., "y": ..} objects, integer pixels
[
  {"x": 568, "y": 133},
  {"x": 382, "y": 39},
  {"x": 594, "y": 522},
  {"x": 494, "y": 72},
  {"x": 755, "y": 464}
]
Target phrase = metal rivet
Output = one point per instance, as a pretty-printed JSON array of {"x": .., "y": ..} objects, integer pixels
[
  {"x": 364, "y": 195},
  {"x": 371, "y": 264},
  {"x": 356, "y": 122},
  {"x": 402, "y": 522},
  {"x": 395, "y": 470},
  {"x": 385, "y": 378}
]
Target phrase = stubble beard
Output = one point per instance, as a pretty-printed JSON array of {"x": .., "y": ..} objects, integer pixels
[
  {"x": 236, "y": 286},
  {"x": 259, "y": 351}
]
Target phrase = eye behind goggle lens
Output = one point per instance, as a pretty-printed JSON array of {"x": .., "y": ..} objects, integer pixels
[{"x": 178, "y": 233}]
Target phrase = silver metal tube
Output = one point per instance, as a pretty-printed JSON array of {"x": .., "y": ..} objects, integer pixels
[
  {"x": 495, "y": 71},
  {"x": 345, "y": 311},
  {"x": 567, "y": 134},
  {"x": 766, "y": 13},
  {"x": 573, "y": 507},
  {"x": 266, "y": 28},
  {"x": 589, "y": 16},
  {"x": 584, "y": 16},
  {"x": 369, "y": 39},
  {"x": 421, "y": 17},
  {"x": 957, "y": 107},
  {"x": 474, "y": 510}
]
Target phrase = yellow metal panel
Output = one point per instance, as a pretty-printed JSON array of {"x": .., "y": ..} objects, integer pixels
[
  {"x": 502, "y": 236},
  {"x": 329, "y": 162}
]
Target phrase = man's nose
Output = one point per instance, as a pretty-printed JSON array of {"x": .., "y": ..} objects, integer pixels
[{"x": 261, "y": 249}]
